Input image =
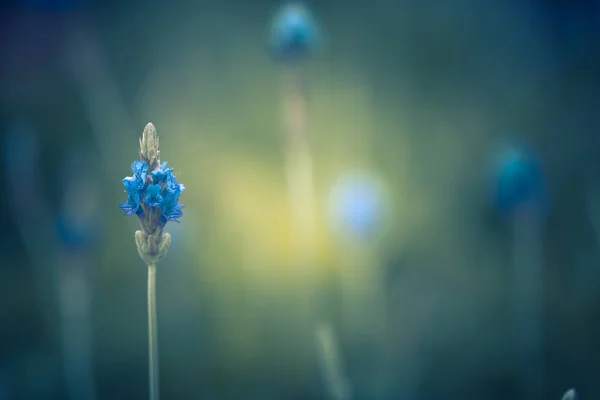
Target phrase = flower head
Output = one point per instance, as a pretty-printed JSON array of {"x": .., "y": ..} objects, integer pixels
[
  {"x": 293, "y": 34},
  {"x": 153, "y": 195},
  {"x": 358, "y": 205},
  {"x": 518, "y": 179}
]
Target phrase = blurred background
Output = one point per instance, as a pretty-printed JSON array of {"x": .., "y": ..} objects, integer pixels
[{"x": 415, "y": 95}]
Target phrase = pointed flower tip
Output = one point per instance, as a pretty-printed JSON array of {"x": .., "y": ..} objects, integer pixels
[
  {"x": 149, "y": 129},
  {"x": 149, "y": 148}
]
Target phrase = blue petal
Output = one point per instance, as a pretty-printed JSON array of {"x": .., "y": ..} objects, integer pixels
[
  {"x": 131, "y": 206},
  {"x": 171, "y": 209},
  {"x": 139, "y": 167},
  {"x": 159, "y": 175},
  {"x": 135, "y": 186},
  {"x": 171, "y": 193},
  {"x": 131, "y": 185},
  {"x": 153, "y": 196},
  {"x": 170, "y": 178},
  {"x": 172, "y": 213},
  {"x": 140, "y": 171}
]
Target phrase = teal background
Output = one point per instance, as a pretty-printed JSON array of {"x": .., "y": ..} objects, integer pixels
[{"x": 419, "y": 92}]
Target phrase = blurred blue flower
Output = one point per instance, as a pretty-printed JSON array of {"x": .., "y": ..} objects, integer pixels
[
  {"x": 517, "y": 180},
  {"x": 75, "y": 234},
  {"x": 155, "y": 199},
  {"x": 293, "y": 33},
  {"x": 357, "y": 206}
]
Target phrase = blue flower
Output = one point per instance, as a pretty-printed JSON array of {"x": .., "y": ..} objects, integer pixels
[
  {"x": 140, "y": 171},
  {"x": 156, "y": 197},
  {"x": 159, "y": 175},
  {"x": 134, "y": 186},
  {"x": 171, "y": 209},
  {"x": 131, "y": 206},
  {"x": 293, "y": 33},
  {"x": 518, "y": 180},
  {"x": 357, "y": 202},
  {"x": 153, "y": 196}
]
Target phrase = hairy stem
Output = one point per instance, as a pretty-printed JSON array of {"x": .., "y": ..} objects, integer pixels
[{"x": 152, "y": 333}]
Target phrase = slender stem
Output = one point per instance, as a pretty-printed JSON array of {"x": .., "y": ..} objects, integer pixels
[
  {"x": 331, "y": 363},
  {"x": 528, "y": 286},
  {"x": 301, "y": 192},
  {"x": 152, "y": 333},
  {"x": 76, "y": 330},
  {"x": 300, "y": 188},
  {"x": 299, "y": 168}
]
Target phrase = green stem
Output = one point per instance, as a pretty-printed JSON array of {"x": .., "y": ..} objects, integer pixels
[{"x": 152, "y": 333}]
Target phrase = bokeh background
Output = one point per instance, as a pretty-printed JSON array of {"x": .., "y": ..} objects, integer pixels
[{"x": 416, "y": 92}]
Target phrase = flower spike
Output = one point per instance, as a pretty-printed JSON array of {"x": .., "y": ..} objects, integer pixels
[{"x": 153, "y": 195}]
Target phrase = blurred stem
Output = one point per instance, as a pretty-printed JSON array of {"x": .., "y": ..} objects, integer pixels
[
  {"x": 299, "y": 169},
  {"x": 528, "y": 298},
  {"x": 364, "y": 315},
  {"x": 152, "y": 333},
  {"x": 300, "y": 186},
  {"x": 76, "y": 327},
  {"x": 299, "y": 165},
  {"x": 332, "y": 367}
]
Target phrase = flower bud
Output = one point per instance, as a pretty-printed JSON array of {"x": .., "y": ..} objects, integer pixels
[
  {"x": 152, "y": 248},
  {"x": 149, "y": 150}
]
